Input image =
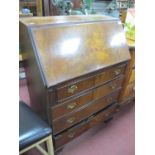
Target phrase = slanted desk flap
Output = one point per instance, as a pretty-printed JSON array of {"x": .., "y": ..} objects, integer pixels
[{"x": 66, "y": 51}]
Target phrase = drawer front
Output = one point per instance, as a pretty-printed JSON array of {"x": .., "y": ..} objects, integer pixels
[
  {"x": 76, "y": 87},
  {"x": 67, "y": 136},
  {"x": 75, "y": 117},
  {"x": 66, "y": 107},
  {"x": 108, "y": 88},
  {"x": 69, "y": 106}
]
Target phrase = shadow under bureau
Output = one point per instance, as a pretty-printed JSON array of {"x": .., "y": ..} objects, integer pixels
[{"x": 75, "y": 68}]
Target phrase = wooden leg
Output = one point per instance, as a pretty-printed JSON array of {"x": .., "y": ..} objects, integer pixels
[
  {"x": 50, "y": 146},
  {"x": 41, "y": 150},
  {"x": 49, "y": 142}
]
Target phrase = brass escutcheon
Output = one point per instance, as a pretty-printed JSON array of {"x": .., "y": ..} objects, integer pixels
[
  {"x": 117, "y": 72},
  {"x": 71, "y": 120},
  {"x": 112, "y": 86},
  {"x": 72, "y": 89},
  {"x": 71, "y": 135},
  {"x": 72, "y": 105}
]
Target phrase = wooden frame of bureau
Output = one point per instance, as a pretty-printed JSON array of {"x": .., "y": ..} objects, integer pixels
[
  {"x": 74, "y": 102},
  {"x": 127, "y": 94}
]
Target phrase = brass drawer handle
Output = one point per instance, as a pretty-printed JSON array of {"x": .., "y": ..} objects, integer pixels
[
  {"x": 112, "y": 86},
  {"x": 71, "y": 120},
  {"x": 72, "y": 89},
  {"x": 90, "y": 118},
  {"x": 71, "y": 135},
  {"x": 117, "y": 72},
  {"x": 72, "y": 105}
]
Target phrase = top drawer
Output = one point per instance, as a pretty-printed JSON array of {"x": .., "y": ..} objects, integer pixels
[{"x": 75, "y": 87}]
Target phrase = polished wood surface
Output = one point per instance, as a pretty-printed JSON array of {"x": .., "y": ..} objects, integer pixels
[
  {"x": 71, "y": 89},
  {"x": 108, "y": 88},
  {"x": 72, "y": 44},
  {"x": 93, "y": 120},
  {"x": 75, "y": 67},
  {"x": 82, "y": 113},
  {"x": 65, "y": 107},
  {"x": 64, "y": 19}
]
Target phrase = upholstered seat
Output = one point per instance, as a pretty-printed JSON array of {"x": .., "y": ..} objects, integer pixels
[{"x": 31, "y": 127}]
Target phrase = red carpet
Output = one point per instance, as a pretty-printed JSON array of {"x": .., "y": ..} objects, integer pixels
[{"x": 114, "y": 138}]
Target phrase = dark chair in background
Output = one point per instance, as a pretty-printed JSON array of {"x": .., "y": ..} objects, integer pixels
[{"x": 33, "y": 131}]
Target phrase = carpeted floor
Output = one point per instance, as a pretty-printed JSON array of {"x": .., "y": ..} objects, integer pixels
[{"x": 115, "y": 138}]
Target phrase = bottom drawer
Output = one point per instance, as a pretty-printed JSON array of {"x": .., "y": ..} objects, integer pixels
[{"x": 93, "y": 120}]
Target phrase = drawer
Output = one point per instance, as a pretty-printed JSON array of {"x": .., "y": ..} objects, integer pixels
[
  {"x": 66, "y": 107},
  {"x": 67, "y": 136},
  {"x": 76, "y": 116},
  {"x": 69, "y": 106},
  {"x": 75, "y": 87}
]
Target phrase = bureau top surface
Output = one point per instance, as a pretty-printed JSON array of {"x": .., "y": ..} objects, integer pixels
[
  {"x": 63, "y": 19},
  {"x": 69, "y": 50}
]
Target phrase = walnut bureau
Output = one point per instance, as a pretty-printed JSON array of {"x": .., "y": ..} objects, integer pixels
[{"x": 75, "y": 68}]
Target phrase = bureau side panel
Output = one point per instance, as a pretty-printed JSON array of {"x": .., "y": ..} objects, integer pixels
[
  {"x": 126, "y": 84},
  {"x": 36, "y": 86}
]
